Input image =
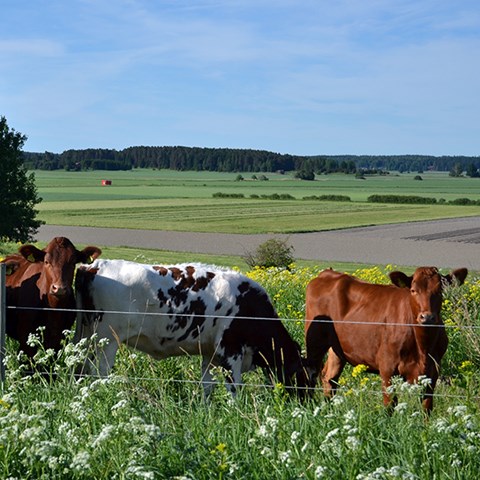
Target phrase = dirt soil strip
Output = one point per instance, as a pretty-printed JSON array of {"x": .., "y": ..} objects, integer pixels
[{"x": 449, "y": 243}]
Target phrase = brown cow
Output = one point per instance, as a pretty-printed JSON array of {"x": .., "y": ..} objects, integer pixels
[
  {"x": 38, "y": 279},
  {"x": 398, "y": 329}
]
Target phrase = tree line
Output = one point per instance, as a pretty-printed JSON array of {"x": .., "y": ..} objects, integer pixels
[{"x": 242, "y": 160}]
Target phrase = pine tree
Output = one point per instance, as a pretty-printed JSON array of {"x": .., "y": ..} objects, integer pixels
[{"x": 18, "y": 192}]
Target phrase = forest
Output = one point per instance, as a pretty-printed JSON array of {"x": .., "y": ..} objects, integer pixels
[{"x": 243, "y": 160}]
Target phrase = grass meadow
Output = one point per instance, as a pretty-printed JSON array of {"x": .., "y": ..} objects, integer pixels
[{"x": 148, "y": 420}]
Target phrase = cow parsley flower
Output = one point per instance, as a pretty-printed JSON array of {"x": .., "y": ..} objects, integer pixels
[
  {"x": 284, "y": 457},
  {"x": 297, "y": 413},
  {"x": 401, "y": 407},
  {"x": 104, "y": 435},
  {"x": 119, "y": 405},
  {"x": 137, "y": 471},
  {"x": 272, "y": 423},
  {"x": 321, "y": 472},
  {"x": 294, "y": 437},
  {"x": 262, "y": 431},
  {"x": 352, "y": 442},
  {"x": 81, "y": 462}
]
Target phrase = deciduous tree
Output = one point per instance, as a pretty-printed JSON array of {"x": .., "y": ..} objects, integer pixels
[{"x": 18, "y": 192}]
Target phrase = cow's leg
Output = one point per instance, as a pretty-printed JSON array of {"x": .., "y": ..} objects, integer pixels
[
  {"x": 317, "y": 342},
  {"x": 208, "y": 382},
  {"x": 331, "y": 373},
  {"x": 103, "y": 357},
  {"x": 390, "y": 401},
  {"x": 432, "y": 373},
  {"x": 233, "y": 366},
  {"x": 427, "y": 401}
]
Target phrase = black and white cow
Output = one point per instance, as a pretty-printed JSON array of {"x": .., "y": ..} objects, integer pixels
[{"x": 191, "y": 309}]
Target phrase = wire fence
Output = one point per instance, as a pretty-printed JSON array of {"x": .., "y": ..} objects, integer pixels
[
  {"x": 230, "y": 317},
  {"x": 200, "y": 382}
]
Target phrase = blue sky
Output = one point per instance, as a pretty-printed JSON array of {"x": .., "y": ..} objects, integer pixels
[{"x": 301, "y": 77}]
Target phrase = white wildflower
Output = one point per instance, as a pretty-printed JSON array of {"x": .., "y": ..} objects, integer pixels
[
  {"x": 338, "y": 400},
  {"x": 153, "y": 431},
  {"x": 81, "y": 462},
  {"x": 352, "y": 442},
  {"x": 424, "y": 381},
  {"x": 265, "y": 451},
  {"x": 401, "y": 407},
  {"x": 106, "y": 432},
  {"x": 272, "y": 423},
  {"x": 331, "y": 434},
  {"x": 457, "y": 410},
  {"x": 297, "y": 412},
  {"x": 320, "y": 472},
  {"x": 350, "y": 416},
  {"x": 262, "y": 431},
  {"x": 294, "y": 436},
  {"x": 138, "y": 472},
  {"x": 119, "y": 405},
  {"x": 284, "y": 457}
]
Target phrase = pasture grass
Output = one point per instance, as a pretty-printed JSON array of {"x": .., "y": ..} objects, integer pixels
[
  {"x": 182, "y": 201},
  {"x": 148, "y": 420}
]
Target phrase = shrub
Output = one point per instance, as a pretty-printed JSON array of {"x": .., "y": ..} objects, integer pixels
[
  {"x": 228, "y": 195},
  {"x": 329, "y": 198},
  {"x": 274, "y": 252},
  {"x": 463, "y": 201},
  {"x": 409, "y": 199}
]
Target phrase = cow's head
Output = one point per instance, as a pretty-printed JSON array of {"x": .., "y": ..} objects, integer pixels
[
  {"x": 58, "y": 261},
  {"x": 426, "y": 290}
]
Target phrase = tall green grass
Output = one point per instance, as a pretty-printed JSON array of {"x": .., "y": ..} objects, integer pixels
[{"x": 149, "y": 419}]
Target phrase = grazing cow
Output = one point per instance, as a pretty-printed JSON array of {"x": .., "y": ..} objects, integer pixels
[
  {"x": 392, "y": 329},
  {"x": 38, "y": 279},
  {"x": 190, "y": 309}
]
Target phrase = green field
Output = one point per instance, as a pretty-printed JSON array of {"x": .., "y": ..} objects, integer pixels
[
  {"x": 148, "y": 420},
  {"x": 172, "y": 200}
]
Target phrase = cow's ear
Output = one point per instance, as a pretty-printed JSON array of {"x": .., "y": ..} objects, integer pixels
[
  {"x": 32, "y": 253},
  {"x": 11, "y": 266},
  {"x": 88, "y": 254},
  {"x": 456, "y": 277},
  {"x": 400, "y": 279}
]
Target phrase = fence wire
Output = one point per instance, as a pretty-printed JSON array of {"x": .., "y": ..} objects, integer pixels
[
  {"x": 231, "y": 317},
  {"x": 316, "y": 389}
]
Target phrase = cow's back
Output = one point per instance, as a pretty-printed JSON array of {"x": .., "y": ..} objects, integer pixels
[
  {"x": 340, "y": 296},
  {"x": 187, "y": 298}
]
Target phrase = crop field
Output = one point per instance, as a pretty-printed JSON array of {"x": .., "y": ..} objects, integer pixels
[
  {"x": 167, "y": 200},
  {"x": 148, "y": 420}
]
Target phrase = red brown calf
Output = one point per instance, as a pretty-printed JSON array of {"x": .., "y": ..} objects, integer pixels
[
  {"x": 42, "y": 279},
  {"x": 392, "y": 329}
]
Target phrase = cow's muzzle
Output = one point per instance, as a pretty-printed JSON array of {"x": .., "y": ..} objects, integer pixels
[
  {"x": 59, "y": 290},
  {"x": 427, "y": 318}
]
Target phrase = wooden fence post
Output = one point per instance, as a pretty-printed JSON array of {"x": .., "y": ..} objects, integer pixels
[{"x": 3, "y": 319}]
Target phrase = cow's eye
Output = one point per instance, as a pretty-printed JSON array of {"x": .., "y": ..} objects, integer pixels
[{"x": 413, "y": 291}]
